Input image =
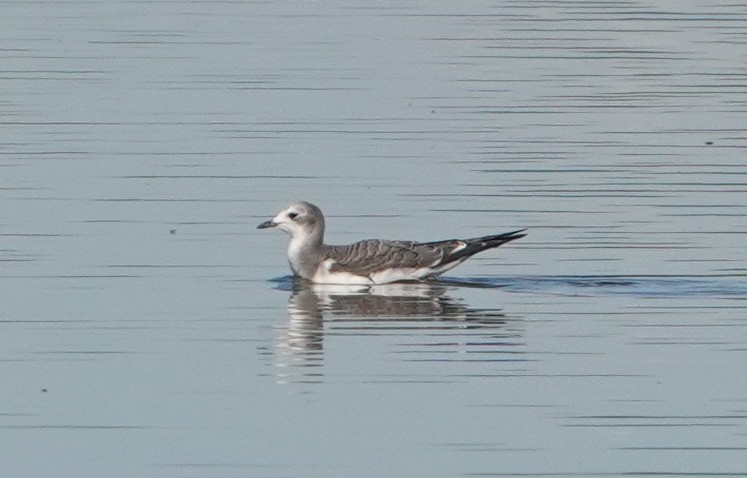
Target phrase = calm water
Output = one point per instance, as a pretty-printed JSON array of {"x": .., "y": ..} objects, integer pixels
[{"x": 148, "y": 329}]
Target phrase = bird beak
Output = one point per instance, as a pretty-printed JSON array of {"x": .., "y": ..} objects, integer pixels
[{"x": 267, "y": 224}]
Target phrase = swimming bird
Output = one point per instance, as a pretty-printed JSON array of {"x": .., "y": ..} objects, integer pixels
[{"x": 372, "y": 261}]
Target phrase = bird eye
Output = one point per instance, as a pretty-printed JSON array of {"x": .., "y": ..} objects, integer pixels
[{"x": 292, "y": 215}]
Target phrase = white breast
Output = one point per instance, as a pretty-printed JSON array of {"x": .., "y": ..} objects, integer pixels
[{"x": 294, "y": 253}]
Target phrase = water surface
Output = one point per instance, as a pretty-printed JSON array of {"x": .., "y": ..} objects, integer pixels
[{"x": 148, "y": 329}]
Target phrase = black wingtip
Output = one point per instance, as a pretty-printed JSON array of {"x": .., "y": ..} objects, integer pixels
[
  {"x": 501, "y": 238},
  {"x": 519, "y": 232}
]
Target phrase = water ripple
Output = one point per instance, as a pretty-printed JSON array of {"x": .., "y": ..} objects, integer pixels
[{"x": 643, "y": 286}]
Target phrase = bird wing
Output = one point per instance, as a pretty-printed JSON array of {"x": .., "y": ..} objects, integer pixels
[
  {"x": 374, "y": 255},
  {"x": 371, "y": 256}
]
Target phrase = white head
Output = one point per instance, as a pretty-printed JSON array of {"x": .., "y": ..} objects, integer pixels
[{"x": 301, "y": 220}]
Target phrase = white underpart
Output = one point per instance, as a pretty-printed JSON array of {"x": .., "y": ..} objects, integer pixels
[
  {"x": 328, "y": 292},
  {"x": 400, "y": 274},
  {"x": 324, "y": 275}
]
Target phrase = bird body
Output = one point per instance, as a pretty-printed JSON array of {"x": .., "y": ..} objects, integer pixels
[{"x": 371, "y": 261}]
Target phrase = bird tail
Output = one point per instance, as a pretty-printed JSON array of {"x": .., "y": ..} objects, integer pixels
[{"x": 479, "y": 244}]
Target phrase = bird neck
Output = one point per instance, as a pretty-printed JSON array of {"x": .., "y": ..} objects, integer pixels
[{"x": 303, "y": 251}]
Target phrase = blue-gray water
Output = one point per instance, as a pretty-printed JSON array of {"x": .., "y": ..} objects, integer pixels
[{"x": 148, "y": 329}]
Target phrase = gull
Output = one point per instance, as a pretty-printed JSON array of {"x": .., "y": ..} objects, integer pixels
[{"x": 372, "y": 261}]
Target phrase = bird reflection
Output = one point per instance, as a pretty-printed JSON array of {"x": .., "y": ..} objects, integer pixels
[{"x": 372, "y": 309}]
